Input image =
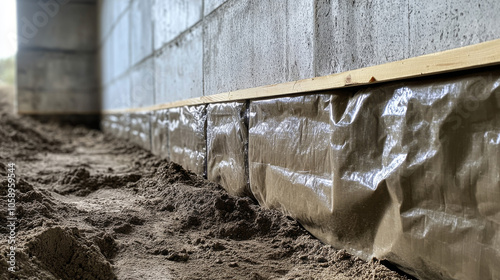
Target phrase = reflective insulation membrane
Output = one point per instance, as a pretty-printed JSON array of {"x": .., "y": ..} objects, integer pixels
[
  {"x": 407, "y": 172},
  {"x": 140, "y": 129},
  {"x": 227, "y": 142},
  {"x": 187, "y": 137},
  {"x": 116, "y": 124},
  {"x": 159, "y": 133}
]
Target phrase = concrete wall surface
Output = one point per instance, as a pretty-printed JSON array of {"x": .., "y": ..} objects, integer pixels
[
  {"x": 204, "y": 47},
  {"x": 57, "y": 70}
]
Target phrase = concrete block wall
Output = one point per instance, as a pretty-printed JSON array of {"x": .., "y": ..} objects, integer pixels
[
  {"x": 165, "y": 51},
  {"x": 57, "y": 70}
]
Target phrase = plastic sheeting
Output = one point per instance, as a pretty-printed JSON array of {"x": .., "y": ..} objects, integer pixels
[
  {"x": 116, "y": 124},
  {"x": 159, "y": 132},
  {"x": 140, "y": 129},
  {"x": 407, "y": 172},
  {"x": 227, "y": 142},
  {"x": 187, "y": 137}
]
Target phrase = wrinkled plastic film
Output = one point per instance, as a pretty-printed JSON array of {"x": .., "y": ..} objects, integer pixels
[
  {"x": 187, "y": 137},
  {"x": 159, "y": 133},
  {"x": 140, "y": 129},
  {"x": 407, "y": 172},
  {"x": 227, "y": 141},
  {"x": 116, "y": 124}
]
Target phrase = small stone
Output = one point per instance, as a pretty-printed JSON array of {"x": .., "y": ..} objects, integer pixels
[
  {"x": 176, "y": 257},
  {"x": 218, "y": 261},
  {"x": 125, "y": 229},
  {"x": 233, "y": 264},
  {"x": 217, "y": 246},
  {"x": 321, "y": 260}
]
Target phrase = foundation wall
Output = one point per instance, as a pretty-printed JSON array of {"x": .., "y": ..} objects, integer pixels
[{"x": 156, "y": 51}]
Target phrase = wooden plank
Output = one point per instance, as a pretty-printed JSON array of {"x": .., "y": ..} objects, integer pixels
[{"x": 469, "y": 57}]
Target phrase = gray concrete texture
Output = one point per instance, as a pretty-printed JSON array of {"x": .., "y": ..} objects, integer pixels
[
  {"x": 56, "y": 61},
  {"x": 210, "y": 5},
  {"x": 173, "y": 17},
  {"x": 55, "y": 82},
  {"x": 253, "y": 43},
  {"x": 117, "y": 95},
  {"x": 110, "y": 11},
  {"x": 179, "y": 68},
  {"x": 40, "y": 25},
  {"x": 204, "y": 47},
  {"x": 143, "y": 84},
  {"x": 356, "y": 34},
  {"x": 141, "y": 28}
]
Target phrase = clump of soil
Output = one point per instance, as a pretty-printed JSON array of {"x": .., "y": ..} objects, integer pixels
[
  {"x": 78, "y": 181},
  {"x": 68, "y": 256},
  {"x": 199, "y": 204},
  {"x": 93, "y": 207}
]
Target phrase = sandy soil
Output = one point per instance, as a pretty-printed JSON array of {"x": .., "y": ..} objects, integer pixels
[{"x": 93, "y": 207}]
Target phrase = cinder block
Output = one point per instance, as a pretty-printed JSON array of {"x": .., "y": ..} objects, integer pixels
[
  {"x": 106, "y": 62},
  {"x": 187, "y": 137},
  {"x": 104, "y": 8},
  {"x": 140, "y": 129},
  {"x": 159, "y": 133},
  {"x": 141, "y": 28},
  {"x": 70, "y": 101},
  {"x": 117, "y": 94},
  {"x": 173, "y": 17},
  {"x": 46, "y": 71},
  {"x": 50, "y": 25},
  {"x": 120, "y": 46},
  {"x": 356, "y": 34},
  {"x": 109, "y": 13},
  {"x": 179, "y": 68},
  {"x": 227, "y": 142},
  {"x": 248, "y": 44},
  {"x": 143, "y": 84},
  {"x": 443, "y": 25},
  {"x": 211, "y": 5}
]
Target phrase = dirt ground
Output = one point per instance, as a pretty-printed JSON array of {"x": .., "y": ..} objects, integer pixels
[{"x": 93, "y": 207}]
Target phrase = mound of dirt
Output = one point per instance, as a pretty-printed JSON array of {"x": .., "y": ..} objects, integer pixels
[
  {"x": 78, "y": 181},
  {"x": 175, "y": 190},
  {"x": 68, "y": 256}
]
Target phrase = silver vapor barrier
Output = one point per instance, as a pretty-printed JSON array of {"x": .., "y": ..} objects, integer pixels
[
  {"x": 187, "y": 138},
  {"x": 140, "y": 129},
  {"x": 227, "y": 142},
  {"x": 116, "y": 124},
  {"x": 159, "y": 130},
  {"x": 407, "y": 172}
]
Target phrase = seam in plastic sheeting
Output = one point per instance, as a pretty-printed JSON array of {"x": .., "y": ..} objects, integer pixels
[
  {"x": 140, "y": 129},
  {"x": 227, "y": 144},
  {"x": 187, "y": 137},
  {"x": 407, "y": 172}
]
